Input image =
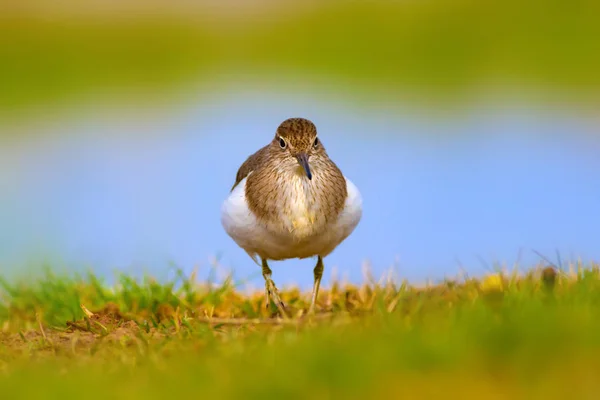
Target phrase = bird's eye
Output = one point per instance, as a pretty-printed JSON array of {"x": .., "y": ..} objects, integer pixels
[
  {"x": 282, "y": 143},
  {"x": 316, "y": 143}
]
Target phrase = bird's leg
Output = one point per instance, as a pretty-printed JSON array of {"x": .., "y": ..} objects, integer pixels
[
  {"x": 271, "y": 291},
  {"x": 318, "y": 271}
]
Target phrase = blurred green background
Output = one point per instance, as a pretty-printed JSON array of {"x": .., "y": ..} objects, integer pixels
[{"x": 56, "y": 54}]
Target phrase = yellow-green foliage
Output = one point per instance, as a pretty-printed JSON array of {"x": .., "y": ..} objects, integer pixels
[
  {"x": 526, "y": 335},
  {"x": 428, "y": 47}
]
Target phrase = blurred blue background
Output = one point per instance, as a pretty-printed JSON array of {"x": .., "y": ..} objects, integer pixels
[
  {"x": 470, "y": 138},
  {"x": 438, "y": 193}
]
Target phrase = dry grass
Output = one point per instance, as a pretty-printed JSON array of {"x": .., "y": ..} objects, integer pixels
[{"x": 505, "y": 335}]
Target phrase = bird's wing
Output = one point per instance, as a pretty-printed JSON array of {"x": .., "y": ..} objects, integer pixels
[{"x": 249, "y": 165}]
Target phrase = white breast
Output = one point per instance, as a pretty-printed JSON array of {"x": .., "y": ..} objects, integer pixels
[{"x": 298, "y": 239}]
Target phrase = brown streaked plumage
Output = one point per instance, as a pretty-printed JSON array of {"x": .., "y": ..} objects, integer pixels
[{"x": 294, "y": 202}]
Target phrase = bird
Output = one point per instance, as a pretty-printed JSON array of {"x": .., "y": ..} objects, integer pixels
[{"x": 291, "y": 201}]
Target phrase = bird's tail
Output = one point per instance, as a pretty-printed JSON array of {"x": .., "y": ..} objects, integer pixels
[{"x": 254, "y": 257}]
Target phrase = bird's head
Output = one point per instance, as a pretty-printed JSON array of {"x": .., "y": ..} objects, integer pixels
[{"x": 296, "y": 139}]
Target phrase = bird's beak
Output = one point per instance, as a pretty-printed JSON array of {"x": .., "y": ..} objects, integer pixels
[{"x": 303, "y": 160}]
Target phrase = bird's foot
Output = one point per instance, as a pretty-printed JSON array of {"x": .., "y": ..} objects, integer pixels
[{"x": 273, "y": 294}]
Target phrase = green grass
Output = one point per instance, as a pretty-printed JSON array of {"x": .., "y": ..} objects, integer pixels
[
  {"x": 427, "y": 50},
  {"x": 529, "y": 335}
]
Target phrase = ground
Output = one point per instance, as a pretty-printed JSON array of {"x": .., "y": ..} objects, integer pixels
[{"x": 506, "y": 335}]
